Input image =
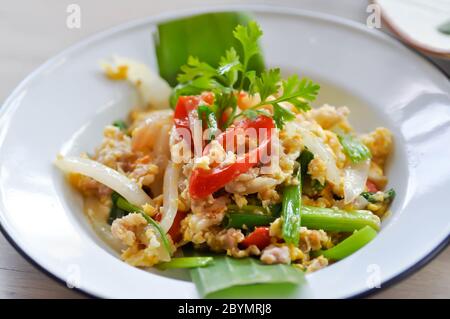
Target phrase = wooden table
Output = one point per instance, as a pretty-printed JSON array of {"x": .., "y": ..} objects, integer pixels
[{"x": 33, "y": 31}]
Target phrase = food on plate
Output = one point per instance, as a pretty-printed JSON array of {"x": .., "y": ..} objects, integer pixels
[{"x": 232, "y": 162}]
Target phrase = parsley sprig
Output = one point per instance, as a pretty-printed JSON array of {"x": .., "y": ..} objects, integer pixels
[
  {"x": 295, "y": 91},
  {"x": 233, "y": 75}
]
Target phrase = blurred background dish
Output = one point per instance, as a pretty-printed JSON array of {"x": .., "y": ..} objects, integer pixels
[{"x": 421, "y": 24}]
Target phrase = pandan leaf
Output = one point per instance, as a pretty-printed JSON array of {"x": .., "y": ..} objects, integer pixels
[
  {"x": 227, "y": 272},
  {"x": 206, "y": 37}
]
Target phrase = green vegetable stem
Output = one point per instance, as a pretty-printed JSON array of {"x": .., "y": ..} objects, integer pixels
[
  {"x": 186, "y": 262},
  {"x": 349, "y": 245},
  {"x": 312, "y": 217},
  {"x": 123, "y": 204},
  {"x": 290, "y": 212}
]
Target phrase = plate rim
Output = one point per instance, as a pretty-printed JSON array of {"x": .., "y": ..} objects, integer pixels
[{"x": 173, "y": 14}]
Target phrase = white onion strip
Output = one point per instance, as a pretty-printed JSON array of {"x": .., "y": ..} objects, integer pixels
[
  {"x": 145, "y": 134},
  {"x": 153, "y": 89},
  {"x": 355, "y": 178},
  {"x": 316, "y": 146},
  {"x": 105, "y": 175},
  {"x": 170, "y": 195}
]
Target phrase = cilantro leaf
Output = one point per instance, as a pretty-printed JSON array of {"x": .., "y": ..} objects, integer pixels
[
  {"x": 281, "y": 115},
  {"x": 354, "y": 149},
  {"x": 194, "y": 87},
  {"x": 299, "y": 92},
  {"x": 249, "y": 76},
  {"x": 248, "y": 37},
  {"x": 197, "y": 77},
  {"x": 266, "y": 84},
  {"x": 295, "y": 91},
  {"x": 195, "y": 69},
  {"x": 252, "y": 114},
  {"x": 224, "y": 101},
  {"x": 229, "y": 66}
]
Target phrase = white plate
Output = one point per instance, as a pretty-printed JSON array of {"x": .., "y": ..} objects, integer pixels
[{"x": 63, "y": 106}]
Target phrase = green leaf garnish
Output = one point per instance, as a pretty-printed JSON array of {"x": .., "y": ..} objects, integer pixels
[
  {"x": 281, "y": 115},
  {"x": 205, "y": 36},
  {"x": 387, "y": 197},
  {"x": 266, "y": 84},
  {"x": 197, "y": 76},
  {"x": 354, "y": 149},
  {"x": 230, "y": 66},
  {"x": 227, "y": 272},
  {"x": 194, "y": 87},
  {"x": 248, "y": 37},
  {"x": 252, "y": 114},
  {"x": 196, "y": 69},
  {"x": 295, "y": 91}
]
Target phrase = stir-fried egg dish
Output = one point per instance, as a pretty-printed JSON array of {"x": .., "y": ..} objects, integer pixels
[{"x": 232, "y": 162}]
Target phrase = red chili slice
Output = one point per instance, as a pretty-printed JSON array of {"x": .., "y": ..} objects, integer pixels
[
  {"x": 175, "y": 229},
  {"x": 371, "y": 187},
  {"x": 260, "y": 237},
  {"x": 185, "y": 105},
  {"x": 157, "y": 217},
  {"x": 205, "y": 182}
]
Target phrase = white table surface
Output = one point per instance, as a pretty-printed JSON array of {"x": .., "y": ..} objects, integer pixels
[{"x": 33, "y": 31}]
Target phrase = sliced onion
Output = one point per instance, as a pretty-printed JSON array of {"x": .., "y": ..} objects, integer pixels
[
  {"x": 355, "y": 177},
  {"x": 161, "y": 153},
  {"x": 105, "y": 175},
  {"x": 162, "y": 146},
  {"x": 153, "y": 90},
  {"x": 318, "y": 147},
  {"x": 170, "y": 195},
  {"x": 161, "y": 251},
  {"x": 145, "y": 135}
]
